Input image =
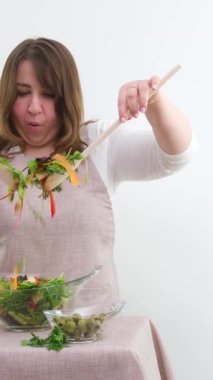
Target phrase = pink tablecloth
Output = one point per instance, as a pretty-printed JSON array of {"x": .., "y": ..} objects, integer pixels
[{"x": 130, "y": 349}]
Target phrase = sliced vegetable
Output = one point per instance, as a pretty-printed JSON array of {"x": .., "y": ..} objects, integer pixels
[
  {"x": 13, "y": 280},
  {"x": 52, "y": 204},
  {"x": 74, "y": 179}
]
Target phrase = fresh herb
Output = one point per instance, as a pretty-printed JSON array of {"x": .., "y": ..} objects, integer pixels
[
  {"x": 20, "y": 181},
  {"x": 56, "y": 340},
  {"x": 50, "y": 165},
  {"x": 38, "y": 171}
]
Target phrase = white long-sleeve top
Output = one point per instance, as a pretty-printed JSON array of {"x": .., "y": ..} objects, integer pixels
[{"x": 133, "y": 154}]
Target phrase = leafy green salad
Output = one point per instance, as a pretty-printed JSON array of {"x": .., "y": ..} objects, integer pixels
[{"x": 23, "y": 305}]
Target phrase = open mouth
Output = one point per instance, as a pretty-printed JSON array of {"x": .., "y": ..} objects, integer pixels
[{"x": 34, "y": 125}]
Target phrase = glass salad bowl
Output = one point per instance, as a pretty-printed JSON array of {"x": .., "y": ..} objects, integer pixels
[
  {"x": 84, "y": 324},
  {"x": 24, "y": 298}
]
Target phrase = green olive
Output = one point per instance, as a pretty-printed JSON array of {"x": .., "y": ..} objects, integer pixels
[
  {"x": 69, "y": 327},
  {"x": 82, "y": 325},
  {"x": 76, "y": 317},
  {"x": 77, "y": 334},
  {"x": 59, "y": 320},
  {"x": 97, "y": 324}
]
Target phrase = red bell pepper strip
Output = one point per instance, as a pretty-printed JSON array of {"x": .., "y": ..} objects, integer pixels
[{"x": 52, "y": 204}]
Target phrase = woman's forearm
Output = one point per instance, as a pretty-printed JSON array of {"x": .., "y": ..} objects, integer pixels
[{"x": 171, "y": 128}]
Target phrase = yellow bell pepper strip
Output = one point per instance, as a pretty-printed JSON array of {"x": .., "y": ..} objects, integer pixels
[
  {"x": 19, "y": 207},
  {"x": 69, "y": 168},
  {"x": 52, "y": 204},
  {"x": 20, "y": 201},
  {"x": 16, "y": 271},
  {"x": 14, "y": 279}
]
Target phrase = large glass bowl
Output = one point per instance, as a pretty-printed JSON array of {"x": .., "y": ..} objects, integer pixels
[
  {"x": 22, "y": 309},
  {"x": 85, "y": 324}
]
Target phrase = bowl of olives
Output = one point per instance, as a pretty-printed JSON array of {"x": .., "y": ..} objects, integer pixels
[{"x": 84, "y": 324}]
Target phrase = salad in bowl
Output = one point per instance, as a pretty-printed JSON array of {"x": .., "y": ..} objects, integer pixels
[{"x": 23, "y": 298}]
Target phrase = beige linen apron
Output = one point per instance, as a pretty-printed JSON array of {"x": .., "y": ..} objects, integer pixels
[{"x": 74, "y": 242}]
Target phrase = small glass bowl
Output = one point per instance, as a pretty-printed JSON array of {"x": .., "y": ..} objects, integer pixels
[
  {"x": 84, "y": 324},
  {"x": 22, "y": 309}
]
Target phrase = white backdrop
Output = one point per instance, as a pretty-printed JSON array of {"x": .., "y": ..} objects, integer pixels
[{"x": 164, "y": 241}]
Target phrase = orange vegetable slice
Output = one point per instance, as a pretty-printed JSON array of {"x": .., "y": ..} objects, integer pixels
[{"x": 69, "y": 168}]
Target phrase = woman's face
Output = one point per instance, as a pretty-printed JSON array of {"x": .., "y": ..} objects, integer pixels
[{"x": 34, "y": 112}]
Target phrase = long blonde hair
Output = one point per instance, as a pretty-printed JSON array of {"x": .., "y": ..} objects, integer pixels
[{"x": 55, "y": 69}]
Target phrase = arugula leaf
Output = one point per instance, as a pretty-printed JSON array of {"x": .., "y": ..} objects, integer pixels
[
  {"x": 17, "y": 174},
  {"x": 5, "y": 162},
  {"x": 32, "y": 166},
  {"x": 76, "y": 156}
]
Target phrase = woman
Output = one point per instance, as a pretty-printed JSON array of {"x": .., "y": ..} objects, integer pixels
[{"x": 41, "y": 113}]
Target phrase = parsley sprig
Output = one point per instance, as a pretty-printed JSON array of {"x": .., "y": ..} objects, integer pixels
[
  {"x": 56, "y": 340},
  {"x": 20, "y": 180}
]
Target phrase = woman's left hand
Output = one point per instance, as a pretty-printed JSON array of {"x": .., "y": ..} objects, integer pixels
[{"x": 133, "y": 97}]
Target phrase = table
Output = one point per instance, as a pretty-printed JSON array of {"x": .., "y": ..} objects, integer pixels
[{"x": 130, "y": 349}]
